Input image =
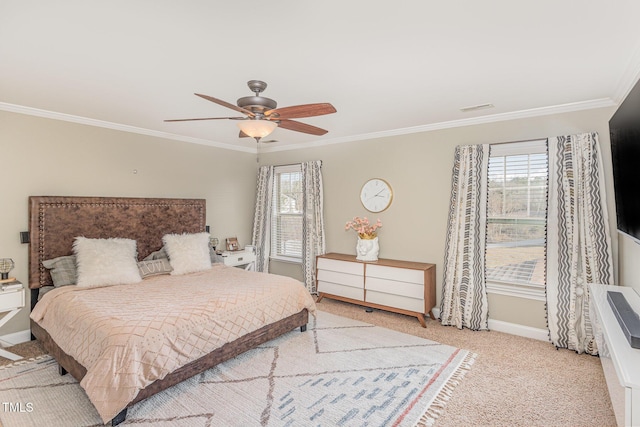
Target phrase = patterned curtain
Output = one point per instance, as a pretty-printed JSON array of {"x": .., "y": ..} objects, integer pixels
[
  {"x": 262, "y": 219},
  {"x": 578, "y": 239},
  {"x": 464, "y": 292},
  {"x": 313, "y": 224}
]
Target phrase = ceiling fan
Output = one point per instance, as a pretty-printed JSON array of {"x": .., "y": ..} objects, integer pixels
[{"x": 262, "y": 116}]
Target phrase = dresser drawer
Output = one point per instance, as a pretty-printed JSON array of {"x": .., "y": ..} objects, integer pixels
[
  {"x": 405, "y": 289},
  {"x": 11, "y": 299},
  {"x": 394, "y": 273},
  {"x": 341, "y": 290},
  {"x": 341, "y": 278},
  {"x": 396, "y": 301},
  {"x": 341, "y": 266}
]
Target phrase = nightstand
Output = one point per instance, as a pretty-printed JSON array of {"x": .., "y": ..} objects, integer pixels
[
  {"x": 11, "y": 302},
  {"x": 238, "y": 258}
]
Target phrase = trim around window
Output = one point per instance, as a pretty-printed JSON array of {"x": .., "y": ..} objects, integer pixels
[
  {"x": 290, "y": 260},
  {"x": 534, "y": 292}
]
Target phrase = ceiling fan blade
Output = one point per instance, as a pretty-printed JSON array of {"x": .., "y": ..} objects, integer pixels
[
  {"x": 226, "y": 104},
  {"x": 243, "y": 135},
  {"x": 301, "y": 127},
  {"x": 300, "y": 111},
  {"x": 205, "y": 118}
]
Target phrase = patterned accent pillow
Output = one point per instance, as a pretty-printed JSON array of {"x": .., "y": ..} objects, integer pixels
[
  {"x": 188, "y": 253},
  {"x": 63, "y": 270},
  {"x": 102, "y": 262},
  {"x": 154, "y": 267},
  {"x": 159, "y": 254}
]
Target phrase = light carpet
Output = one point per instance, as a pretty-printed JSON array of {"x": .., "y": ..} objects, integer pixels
[{"x": 341, "y": 372}]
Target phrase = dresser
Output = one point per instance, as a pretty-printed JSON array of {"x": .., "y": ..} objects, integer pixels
[
  {"x": 404, "y": 287},
  {"x": 620, "y": 362}
]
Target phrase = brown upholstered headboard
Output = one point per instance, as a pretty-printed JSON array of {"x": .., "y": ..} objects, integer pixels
[{"x": 54, "y": 222}]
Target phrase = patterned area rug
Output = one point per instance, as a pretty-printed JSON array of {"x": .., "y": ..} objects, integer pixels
[{"x": 340, "y": 372}]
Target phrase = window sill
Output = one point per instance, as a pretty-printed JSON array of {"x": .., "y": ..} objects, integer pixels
[
  {"x": 519, "y": 291},
  {"x": 289, "y": 260}
]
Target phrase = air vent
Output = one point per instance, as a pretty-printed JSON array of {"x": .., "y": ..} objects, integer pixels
[{"x": 476, "y": 107}]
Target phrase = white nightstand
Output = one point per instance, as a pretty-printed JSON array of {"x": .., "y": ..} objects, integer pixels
[
  {"x": 11, "y": 302},
  {"x": 238, "y": 258}
]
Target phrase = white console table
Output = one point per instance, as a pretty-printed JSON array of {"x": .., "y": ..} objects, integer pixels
[
  {"x": 620, "y": 362},
  {"x": 240, "y": 258},
  {"x": 11, "y": 302}
]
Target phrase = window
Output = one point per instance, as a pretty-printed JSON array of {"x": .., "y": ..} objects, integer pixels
[
  {"x": 286, "y": 231},
  {"x": 517, "y": 219}
]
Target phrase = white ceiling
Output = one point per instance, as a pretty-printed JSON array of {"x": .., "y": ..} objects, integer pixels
[{"x": 388, "y": 67}]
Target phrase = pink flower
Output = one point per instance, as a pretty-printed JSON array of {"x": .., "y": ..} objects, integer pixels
[{"x": 362, "y": 226}]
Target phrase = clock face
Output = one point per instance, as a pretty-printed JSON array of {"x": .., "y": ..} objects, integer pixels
[{"x": 376, "y": 195}]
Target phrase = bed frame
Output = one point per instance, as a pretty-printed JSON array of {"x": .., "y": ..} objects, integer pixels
[{"x": 56, "y": 221}]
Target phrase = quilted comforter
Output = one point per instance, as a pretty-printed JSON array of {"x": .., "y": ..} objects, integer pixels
[{"x": 128, "y": 336}]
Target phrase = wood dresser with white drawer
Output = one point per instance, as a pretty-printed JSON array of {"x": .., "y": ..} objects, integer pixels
[{"x": 404, "y": 287}]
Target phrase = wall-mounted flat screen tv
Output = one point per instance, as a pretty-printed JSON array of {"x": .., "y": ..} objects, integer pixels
[{"x": 624, "y": 129}]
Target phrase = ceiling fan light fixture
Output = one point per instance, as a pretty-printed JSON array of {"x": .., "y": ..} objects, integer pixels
[{"x": 257, "y": 128}]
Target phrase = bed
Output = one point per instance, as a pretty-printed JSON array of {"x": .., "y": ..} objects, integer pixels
[{"x": 220, "y": 312}]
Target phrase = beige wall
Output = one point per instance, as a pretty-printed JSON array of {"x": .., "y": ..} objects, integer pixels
[
  {"x": 418, "y": 167},
  {"x": 48, "y": 157},
  {"x": 628, "y": 262}
]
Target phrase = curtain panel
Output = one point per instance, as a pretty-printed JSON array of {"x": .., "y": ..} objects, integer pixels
[
  {"x": 313, "y": 236},
  {"x": 262, "y": 218},
  {"x": 578, "y": 239},
  {"x": 464, "y": 293}
]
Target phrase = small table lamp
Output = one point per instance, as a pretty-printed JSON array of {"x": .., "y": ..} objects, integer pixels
[
  {"x": 214, "y": 242},
  {"x": 6, "y": 265}
]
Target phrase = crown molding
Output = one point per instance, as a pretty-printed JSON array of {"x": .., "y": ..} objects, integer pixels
[
  {"x": 116, "y": 126},
  {"x": 629, "y": 78},
  {"x": 534, "y": 112}
]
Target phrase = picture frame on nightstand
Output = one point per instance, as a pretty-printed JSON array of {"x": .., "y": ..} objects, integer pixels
[{"x": 232, "y": 244}]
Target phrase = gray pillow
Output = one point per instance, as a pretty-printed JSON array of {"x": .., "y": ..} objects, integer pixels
[
  {"x": 154, "y": 267},
  {"x": 162, "y": 254},
  {"x": 159, "y": 254},
  {"x": 63, "y": 270}
]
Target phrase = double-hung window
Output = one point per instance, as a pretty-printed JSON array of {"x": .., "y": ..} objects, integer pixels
[
  {"x": 516, "y": 219},
  {"x": 286, "y": 224}
]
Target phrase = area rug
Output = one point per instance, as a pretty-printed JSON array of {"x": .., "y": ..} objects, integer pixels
[{"x": 340, "y": 372}]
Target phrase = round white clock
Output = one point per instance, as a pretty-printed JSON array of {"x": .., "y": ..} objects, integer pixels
[{"x": 376, "y": 195}]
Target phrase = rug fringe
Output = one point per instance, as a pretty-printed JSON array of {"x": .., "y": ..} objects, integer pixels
[{"x": 440, "y": 400}]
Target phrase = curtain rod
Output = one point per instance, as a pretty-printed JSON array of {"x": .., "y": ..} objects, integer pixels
[
  {"x": 522, "y": 140},
  {"x": 295, "y": 164}
]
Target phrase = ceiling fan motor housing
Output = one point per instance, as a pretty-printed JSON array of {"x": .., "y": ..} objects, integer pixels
[{"x": 257, "y": 104}]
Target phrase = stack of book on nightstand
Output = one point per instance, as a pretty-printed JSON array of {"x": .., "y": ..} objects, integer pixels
[{"x": 10, "y": 285}]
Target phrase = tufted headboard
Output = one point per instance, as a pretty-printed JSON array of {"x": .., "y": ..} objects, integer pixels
[{"x": 54, "y": 222}]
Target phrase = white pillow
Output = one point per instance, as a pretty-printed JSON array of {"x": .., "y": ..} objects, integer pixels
[
  {"x": 106, "y": 261},
  {"x": 188, "y": 253}
]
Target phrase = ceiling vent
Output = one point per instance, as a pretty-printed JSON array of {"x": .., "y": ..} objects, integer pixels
[{"x": 476, "y": 107}]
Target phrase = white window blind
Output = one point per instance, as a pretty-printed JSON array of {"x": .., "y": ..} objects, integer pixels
[
  {"x": 286, "y": 232},
  {"x": 516, "y": 217}
]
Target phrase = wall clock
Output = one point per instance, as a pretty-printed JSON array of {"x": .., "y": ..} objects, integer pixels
[{"x": 376, "y": 195}]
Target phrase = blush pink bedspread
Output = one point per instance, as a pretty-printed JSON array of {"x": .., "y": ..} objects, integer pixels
[{"x": 127, "y": 336}]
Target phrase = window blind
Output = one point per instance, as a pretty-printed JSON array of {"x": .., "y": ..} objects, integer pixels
[
  {"x": 286, "y": 241},
  {"x": 516, "y": 213}
]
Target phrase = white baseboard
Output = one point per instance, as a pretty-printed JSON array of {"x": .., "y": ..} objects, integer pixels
[
  {"x": 15, "y": 338},
  {"x": 512, "y": 328}
]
